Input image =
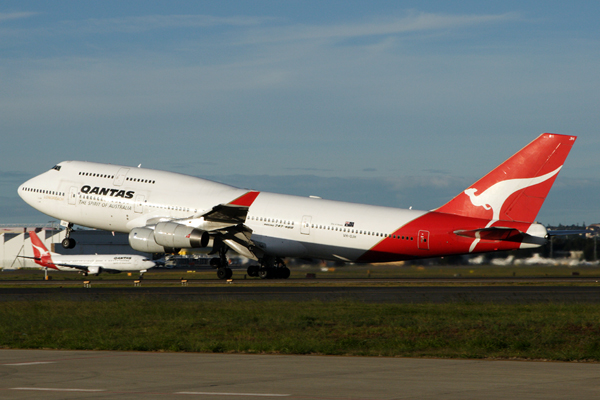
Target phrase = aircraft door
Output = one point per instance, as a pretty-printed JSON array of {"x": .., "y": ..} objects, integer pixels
[
  {"x": 120, "y": 178},
  {"x": 73, "y": 195},
  {"x": 423, "y": 240},
  {"x": 305, "y": 226},
  {"x": 139, "y": 203}
]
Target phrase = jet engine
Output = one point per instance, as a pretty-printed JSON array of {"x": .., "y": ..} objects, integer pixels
[
  {"x": 142, "y": 239},
  {"x": 174, "y": 235},
  {"x": 94, "y": 270},
  {"x": 167, "y": 237}
]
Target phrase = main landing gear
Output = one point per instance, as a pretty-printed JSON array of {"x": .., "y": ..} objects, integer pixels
[
  {"x": 270, "y": 269},
  {"x": 68, "y": 242},
  {"x": 221, "y": 264}
]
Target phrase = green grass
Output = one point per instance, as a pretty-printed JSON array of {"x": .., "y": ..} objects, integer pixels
[{"x": 538, "y": 331}]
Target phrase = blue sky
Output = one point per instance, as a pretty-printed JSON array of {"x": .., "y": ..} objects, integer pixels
[{"x": 391, "y": 103}]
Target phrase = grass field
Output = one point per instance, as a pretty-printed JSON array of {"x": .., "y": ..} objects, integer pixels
[
  {"x": 458, "y": 330},
  {"x": 538, "y": 331}
]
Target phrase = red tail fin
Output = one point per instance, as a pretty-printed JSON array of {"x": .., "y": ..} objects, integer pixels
[
  {"x": 515, "y": 190},
  {"x": 40, "y": 252}
]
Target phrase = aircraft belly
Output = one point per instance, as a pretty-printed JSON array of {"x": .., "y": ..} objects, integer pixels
[{"x": 280, "y": 247}]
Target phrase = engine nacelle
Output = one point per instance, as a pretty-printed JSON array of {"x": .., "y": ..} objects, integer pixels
[
  {"x": 142, "y": 239},
  {"x": 94, "y": 270},
  {"x": 174, "y": 235}
]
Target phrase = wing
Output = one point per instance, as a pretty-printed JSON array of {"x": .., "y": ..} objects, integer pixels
[
  {"x": 84, "y": 268},
  {"x": 223, "y": 225},
  {"x": 229, "y": 229}
]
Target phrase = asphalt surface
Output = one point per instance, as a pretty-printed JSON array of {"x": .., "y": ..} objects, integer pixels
[
  {"x": 53, "y": 374},
  {"x": 511, "y": 294}
]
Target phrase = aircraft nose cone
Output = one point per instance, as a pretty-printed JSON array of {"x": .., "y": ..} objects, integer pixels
[{"x": 21, "y": 190}]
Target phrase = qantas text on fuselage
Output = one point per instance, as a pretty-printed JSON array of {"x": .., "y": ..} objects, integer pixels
[
  {"x": 87, "y": 189},
  {"x": 164, "y": 212}
]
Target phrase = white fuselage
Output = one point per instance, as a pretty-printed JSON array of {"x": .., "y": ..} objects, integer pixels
[
  {"x": 98, "y": 262},
  {"x": 118, "y": 198}
]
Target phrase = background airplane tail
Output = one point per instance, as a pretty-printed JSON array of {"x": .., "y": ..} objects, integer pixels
[
  {"x": 517, "y": 188},
  {"x": 40, "y": 252}
]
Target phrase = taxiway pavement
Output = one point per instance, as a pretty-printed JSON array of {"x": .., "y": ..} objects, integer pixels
[{"x": 54, "y": 374}]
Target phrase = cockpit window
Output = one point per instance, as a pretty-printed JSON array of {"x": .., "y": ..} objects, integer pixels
[{"x": 56, "y": 167}]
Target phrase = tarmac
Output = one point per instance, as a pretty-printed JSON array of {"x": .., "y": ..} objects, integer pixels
[{"x": 53, "y": 374}]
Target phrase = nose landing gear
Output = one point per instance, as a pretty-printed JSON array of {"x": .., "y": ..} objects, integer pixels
[{"x": 68, "y": 242}]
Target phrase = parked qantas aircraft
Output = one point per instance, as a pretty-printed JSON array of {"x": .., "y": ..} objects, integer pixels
[
  {"x": 165, "y": 211},
  {"x": 87, "y": 264}
]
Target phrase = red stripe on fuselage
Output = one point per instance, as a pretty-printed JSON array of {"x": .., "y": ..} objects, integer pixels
[{"x": 437, "y": 238}]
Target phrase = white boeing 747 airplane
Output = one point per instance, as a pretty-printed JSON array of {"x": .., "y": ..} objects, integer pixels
[
  {"x": 165, "y": 211},
  {"x": 87, "y": 264}
]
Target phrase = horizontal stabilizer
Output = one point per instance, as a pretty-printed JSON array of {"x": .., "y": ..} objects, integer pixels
[
  {"x": 502, "y": 233},
  {"x": 492, "y": 233},
  {"x": 31, "y": 258}
]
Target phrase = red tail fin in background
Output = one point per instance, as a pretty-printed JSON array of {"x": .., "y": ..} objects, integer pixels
[
  {"x": 42, "y": 256},
  {"x": 515, "y": 190}
]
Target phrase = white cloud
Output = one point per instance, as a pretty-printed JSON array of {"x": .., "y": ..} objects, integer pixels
[
  {"x": 16, "y": 15},
  {"x": 151, "y": 22},
  {"x": 413, "y": 22}
]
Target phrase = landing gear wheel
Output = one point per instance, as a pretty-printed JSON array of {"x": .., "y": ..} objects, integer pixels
[
  {"x": 68, "y": 243},
  {"x": 265, "y": 273},
  {"x": 224, "y": 273},
  {"x": 284, "y": 273}
]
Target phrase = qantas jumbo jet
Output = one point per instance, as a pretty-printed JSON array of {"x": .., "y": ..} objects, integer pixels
[
  {"x": 165, "y": 211},
  {"x": 87, "y": 264}
]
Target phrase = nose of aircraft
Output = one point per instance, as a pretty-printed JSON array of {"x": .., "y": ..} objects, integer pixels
[{"x": 26, "y": 188}]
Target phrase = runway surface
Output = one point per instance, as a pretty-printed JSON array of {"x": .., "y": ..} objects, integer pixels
[
  {"x": 377, "y": 294},
  {"x": 53, "y": 374}
]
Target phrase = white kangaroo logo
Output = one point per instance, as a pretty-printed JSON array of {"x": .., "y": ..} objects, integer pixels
[
  {"x": 494, "y": 197},
  {"x": 41, "y": 250}
]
